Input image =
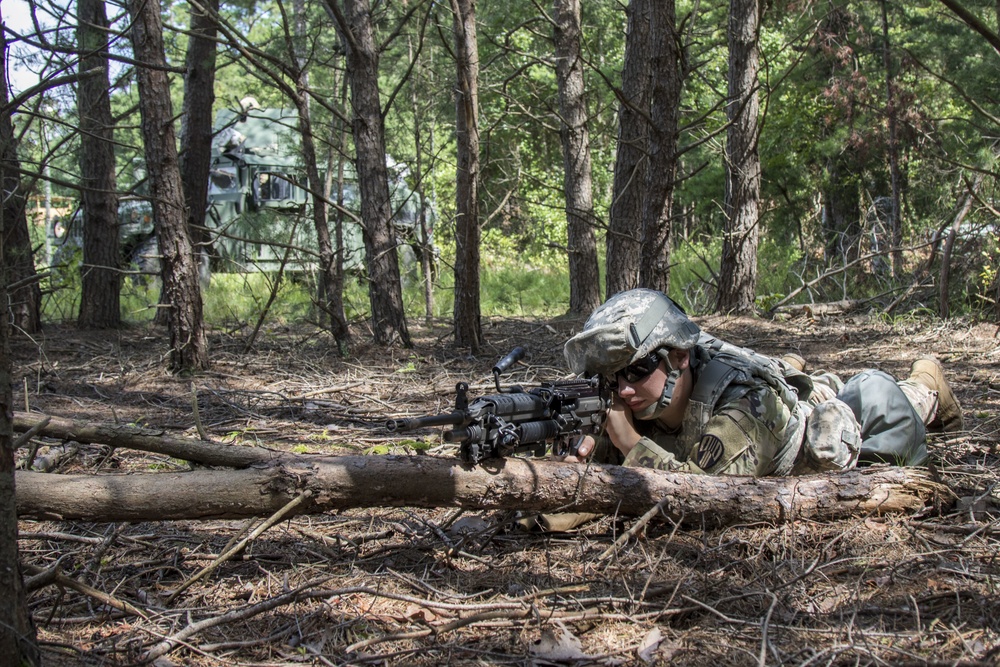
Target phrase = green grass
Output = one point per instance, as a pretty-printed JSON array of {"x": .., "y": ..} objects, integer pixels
[{"x": 510, "y": 287}]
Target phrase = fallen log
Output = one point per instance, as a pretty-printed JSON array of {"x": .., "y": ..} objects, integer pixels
[
  {"x": 156, "y": 441},
  {"x": 812, "y": 310},
  {"x": 337, "y": 483}
]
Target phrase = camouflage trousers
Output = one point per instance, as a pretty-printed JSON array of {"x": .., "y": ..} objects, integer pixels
[
  {"x": 826, "y": 386},
  {"x": 834, "y": 436}
]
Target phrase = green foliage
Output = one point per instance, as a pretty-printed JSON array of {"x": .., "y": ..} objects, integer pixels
[
  {"x": 778, "y": 265},
  {"x": 692, "y": 284},
  {"x": 61, "y": 288},
  {"x": 526, "y": 290},
  {"x": 234, "y": 298},
  {"x": 823, "y": 102},
  {"x": 507, "y": 287}
]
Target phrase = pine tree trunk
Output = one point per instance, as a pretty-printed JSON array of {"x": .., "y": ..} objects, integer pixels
[
  {"x": 584, "y": 279},
  {"x": 343, "y": 482},
  {"x": 468, "y": 328},
  {"x": 625, "y": 224},
  {"x": 665, "y": 100},
  {"x": 100, "y": 293},
  {"x": 24, "y": 296},
  {"x": 18, "y": 643},
  {"x": 196, "y": 123},
  {"x": 182, "y": 294},
  {"x": 384, "y": 288},
  {"x": 738, "y": 270}
]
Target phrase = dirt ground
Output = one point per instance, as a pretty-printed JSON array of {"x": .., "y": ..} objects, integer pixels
[{"x": 410, "y": 586}]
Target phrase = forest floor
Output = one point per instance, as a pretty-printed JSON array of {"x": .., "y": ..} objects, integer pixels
[{"x": 405, "y": 586}]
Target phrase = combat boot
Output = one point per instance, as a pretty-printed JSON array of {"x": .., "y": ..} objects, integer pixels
[
  {"x": 929, "y": 372},
  {"x": 795, "y": 361}
]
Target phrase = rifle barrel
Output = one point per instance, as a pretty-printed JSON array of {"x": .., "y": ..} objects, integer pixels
[{"x": 409, "y": 423}]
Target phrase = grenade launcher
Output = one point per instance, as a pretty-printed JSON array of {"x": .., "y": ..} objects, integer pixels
[{"x": 517, "y": 420}]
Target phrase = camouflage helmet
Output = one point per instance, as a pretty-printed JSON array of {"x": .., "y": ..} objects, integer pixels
[{"x": 627, "y": 327}]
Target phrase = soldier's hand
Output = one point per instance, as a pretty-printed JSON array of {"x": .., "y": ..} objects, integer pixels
[
  {"x": 584, "y": 447},
  {"x": 621, "y": 427}
]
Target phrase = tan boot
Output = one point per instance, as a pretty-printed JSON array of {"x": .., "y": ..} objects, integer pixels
[
  {"x": 556, "y": 523},
  {"x": 795, "y": 361},
  {"x": 929, "y": 372}
]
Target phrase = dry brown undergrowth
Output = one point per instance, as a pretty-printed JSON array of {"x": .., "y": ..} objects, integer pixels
[{"x": 421, "y": 587}]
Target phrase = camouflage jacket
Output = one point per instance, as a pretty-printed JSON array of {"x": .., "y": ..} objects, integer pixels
[{"x": 744, "y": 418}]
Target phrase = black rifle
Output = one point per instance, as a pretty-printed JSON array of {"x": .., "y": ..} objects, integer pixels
[{"x": 515, "y": 420}]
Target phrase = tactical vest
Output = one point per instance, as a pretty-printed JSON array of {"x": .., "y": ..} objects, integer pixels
[
  {"x": 727, "y": 362},
  {"x": 726, "y": 372}
]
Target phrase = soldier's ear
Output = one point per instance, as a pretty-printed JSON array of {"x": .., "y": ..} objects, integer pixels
[{"x": 679, "y": 359}]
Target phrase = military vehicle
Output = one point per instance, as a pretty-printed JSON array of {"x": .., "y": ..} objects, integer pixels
[{"x": 258, "y": 208}]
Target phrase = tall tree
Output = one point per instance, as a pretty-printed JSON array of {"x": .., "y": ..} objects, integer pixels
[
  {"x": 665, "y": 102},
  {"x": 100, "y": 286},
  {"x": 385, "y": 292},
  {"x": 895, "y": 174},
  {"x": 24, "y": 294},
  {"x": 188, "y": 342},
  {"x": 584, "y": 278},
  {"x": 846, "y": 159},
  {"x": 625, "y": 223},
  {"x": 425, "y": 248},
  {"x": 196, "y": 121},
  {"x": 468, "y": 328},
  {"x": 738, "y": 271},
  {"x": 331, "y": 280},
  {"x": 17, "y": 632}
]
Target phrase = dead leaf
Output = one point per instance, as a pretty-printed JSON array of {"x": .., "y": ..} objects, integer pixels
[
  {"x": 557, "y": 645},
  {"x": 417, "y": 613},
  {"x": 647, "y": 647}
]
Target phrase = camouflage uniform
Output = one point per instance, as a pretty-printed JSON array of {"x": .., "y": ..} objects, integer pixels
[{"x": 749, "y": 414}]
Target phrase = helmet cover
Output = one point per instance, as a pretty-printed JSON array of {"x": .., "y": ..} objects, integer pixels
[{"x": 627, "y": 327}]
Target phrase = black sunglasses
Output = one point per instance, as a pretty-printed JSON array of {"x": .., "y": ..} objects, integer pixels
[{"x": 638, "y": 370}]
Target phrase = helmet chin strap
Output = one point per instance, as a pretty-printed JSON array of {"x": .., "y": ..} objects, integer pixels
[{"x": 654, "y": 410}]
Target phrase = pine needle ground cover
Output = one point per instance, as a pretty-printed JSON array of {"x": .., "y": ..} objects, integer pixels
[{"x": 408, "y": 586}]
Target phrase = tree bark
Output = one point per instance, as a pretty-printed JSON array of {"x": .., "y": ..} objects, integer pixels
[
  {"x": 143, "y": 439},
  {"x": 385, "y": 291},
  {"x": 100, "y": 286},
  {"x": 332, "y": 282},
  {"x": 625, "y": 223},
  {"x": 337, "y": 483},
  {"x": 188, "y": 342},
  {"x": 665, "y": 102},
  {"x": 23, "y": 296},
  {"x": 738, "y": 270},
  {"x": 196, "y": 122},
  {"x": 584, "y": 278},
  {"x": 18, "y": 640},
  {"x": 468, "y": 328},
  {"x": 895, "y": 174},
  {"x": 944, "y": 282}
]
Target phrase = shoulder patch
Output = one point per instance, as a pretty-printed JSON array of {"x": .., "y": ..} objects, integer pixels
[{"x": 710, "y": 451}]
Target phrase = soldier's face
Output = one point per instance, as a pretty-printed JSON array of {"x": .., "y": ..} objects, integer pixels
[{"x": 644, "y": 392}]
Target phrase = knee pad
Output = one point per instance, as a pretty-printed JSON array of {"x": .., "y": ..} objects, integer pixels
[{"x": 832, "y": 440}]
